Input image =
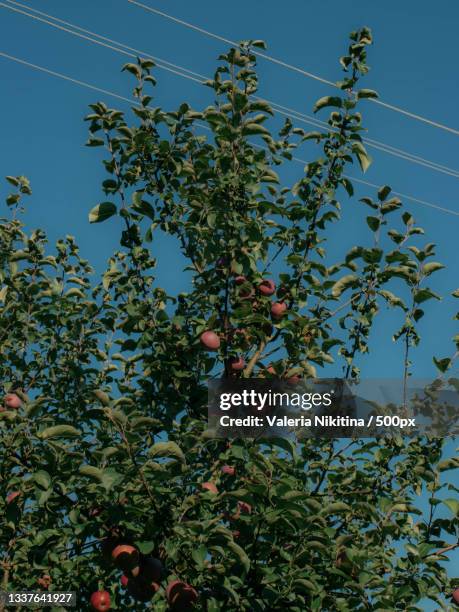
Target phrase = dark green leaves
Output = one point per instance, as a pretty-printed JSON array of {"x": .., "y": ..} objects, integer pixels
[
  {"x": 362, "y": 155},
  {"x": 253, "y": 129},
  {"x": 373, "y": 223},
  {"x": 442, "y": 364},
  {"x": 422, "y": 295},
  {"x": 167, "y": 449},
  {"x": 431, "y": 267},
  {"x": 344, "y": 283},
  {"x": 328, "y": 101},
  {"x": 102, "y": 212},
  {"x": 367, "y": 93},
  {"x": 43, "y": 479},
  {"x": 59, "y": 431},
  {"x": 108, "y": 477}
]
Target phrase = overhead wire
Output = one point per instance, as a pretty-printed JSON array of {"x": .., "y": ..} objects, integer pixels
[
  {"x": 123, "y": 98},
  {"x": 199, "y": 78},
  {"x": 294, "y": 68},
  {"x": 194, "y": 76}
]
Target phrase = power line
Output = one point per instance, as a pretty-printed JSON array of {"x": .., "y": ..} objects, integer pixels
[
  {"x": 310, "y": 75},
  {"x": 65, "y": 77},
  {"x": 137, "y": 52},
  {"x": 389, "y": 149},
  {"x": 98, "y": 42},
  {"x": 123, "y": 98},
  {"x": 294, "y": 114},
  {"x": 199, "y": 78}
]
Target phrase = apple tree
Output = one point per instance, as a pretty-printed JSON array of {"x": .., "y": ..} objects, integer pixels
[{"x": 111, "y": 484}]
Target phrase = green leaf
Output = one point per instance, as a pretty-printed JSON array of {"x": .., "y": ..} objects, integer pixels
[
  {"x": 142, "y": 206},
  {"x": 453, "y": 505},
  {"x": 442, "y": 364},
  {"x": 227, "y": 586},
  {"x": 367, "y": 93},
  {"x": 344, "y": 283},
  {"x": 373, "y": 223},
  {"x": 95, "y": 142},
  {"x": 313, "y": 136},
  {"x": 391, "y": 205},
  {"x": 449, "y": 464},
  {"x": 431, "y": 267},
  {"x": 305, "y": 585},
  {"x": 146, "y": 548},
  {"x": 407, "y": 218},
  {"x": 199, "y": 555},
  {"x": 260, "y": 44},
  {"x": 133, "y": 69},
  {"x": 260, "y": 105},
  {"x": 383, "y": 192},
  {"x": 328, "y": 101},
  {"x": 392, "y": 298},
  {"x": 335, "y": 508},
  {"x": 12, "y": 199},
  {"x": 102, "y": 212},
  {"x": 59, "y": 431},
  {"x": 74, "y": 291},
  {"x": 425, "y": 294},
  {"x": 240, "y": 554},
  {"x": 362, "y": 155},
  {"x": 455, "y": 293},
  {"x": 252, "y": 129},
  {"x": 348, "y": 186},
  {"x": 107, "y": 478},
  {"x": 43, "y": 479},
  {"x": 167, "y": 449}
]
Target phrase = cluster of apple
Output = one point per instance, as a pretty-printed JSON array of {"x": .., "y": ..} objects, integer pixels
[
  {"x": 142, "y": 576},
  {"x": 210, "y": 340},
  {"x": 11, "y": 401}
]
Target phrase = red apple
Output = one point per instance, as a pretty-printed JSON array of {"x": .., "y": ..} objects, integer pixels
[
  {"x": 455, "y": 595},
  {"x": 267, "y": 287},
  {"x": 228, "y": 469},
  {"x": 244, "y": 507},
  {"x": 278, "y": 310},
  {"x": 124, "y": 581},
  {"x": 125, "y": 557},
  {"x": 240, "y": 280},
  {"x": 210, "y": 340},
  {"x": 237, "y": 364},
  {"x": 180, "y": 595},
  {"x": 209, "y": 486},
  {"x": 100, "y": 600},
  {"x": 12, "y": 401},
  {"x": 95, "y": 511},
  {"x": 44, "y": 581},
  {"x": 12, "y": 496}
]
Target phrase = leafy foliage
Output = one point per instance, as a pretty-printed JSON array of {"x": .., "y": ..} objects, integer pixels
[{"x": 110, "y": 445}]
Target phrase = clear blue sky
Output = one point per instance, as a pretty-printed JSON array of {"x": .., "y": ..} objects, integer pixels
[{"x": 414, "y": 65}]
